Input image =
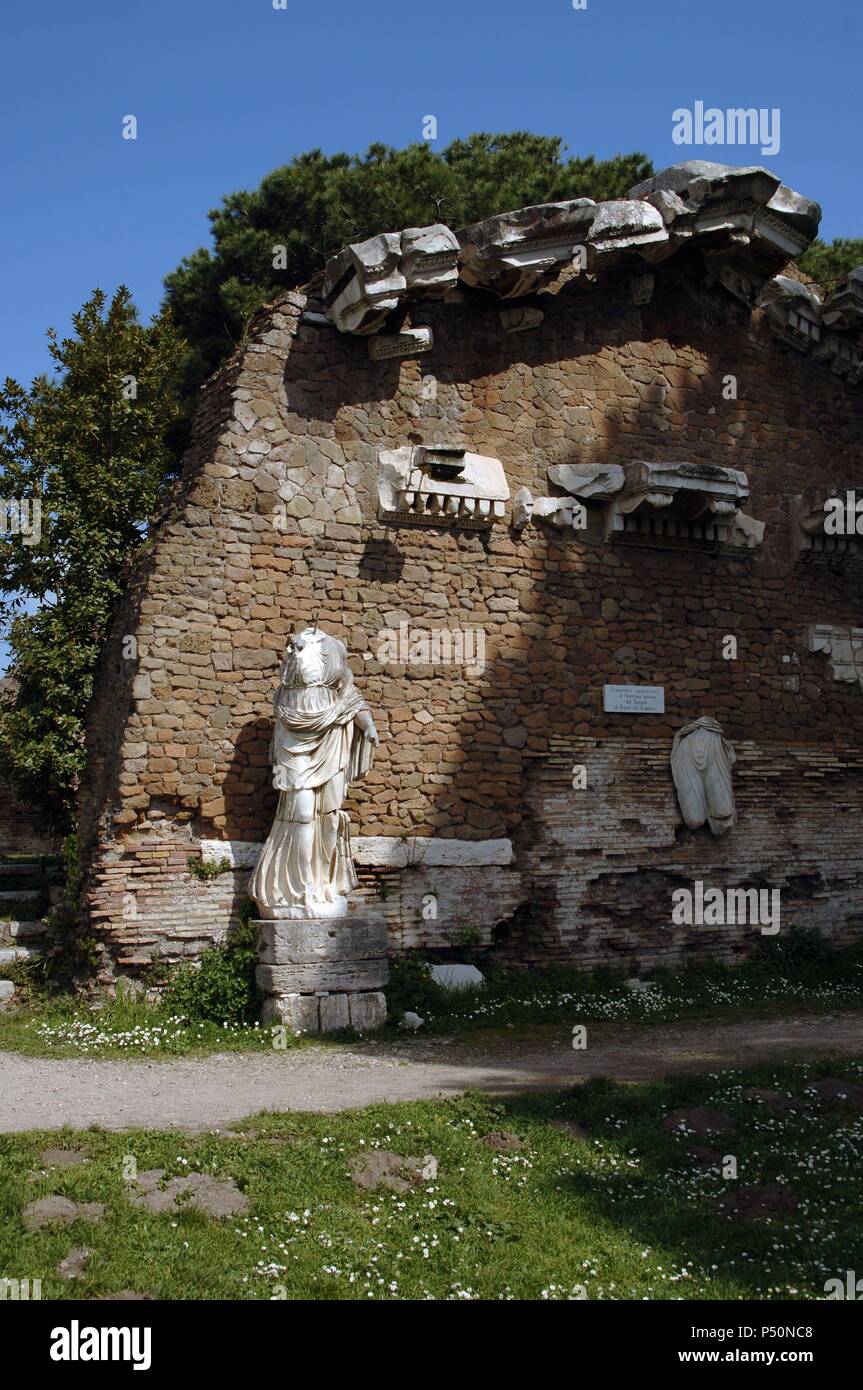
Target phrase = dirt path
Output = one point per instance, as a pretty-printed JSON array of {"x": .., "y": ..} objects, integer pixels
[{"x": 215, "y": 1091}]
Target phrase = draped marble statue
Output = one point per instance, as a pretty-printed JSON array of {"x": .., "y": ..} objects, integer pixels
[
  {"x": 701, "y": 763},
  {"x": 323, "y": 739}
]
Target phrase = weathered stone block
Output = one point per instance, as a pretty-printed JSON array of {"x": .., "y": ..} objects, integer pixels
[
  {"x": 368, "y": 1011},
  {"x": 334, "y": 1012},
  {"x": 322, "y": 975},
  {"x": 314, "y": 942},
  {"x": 298, "y": 1012}
]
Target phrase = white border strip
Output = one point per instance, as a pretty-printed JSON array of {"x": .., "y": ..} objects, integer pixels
[{"x": 382, "y": 851}]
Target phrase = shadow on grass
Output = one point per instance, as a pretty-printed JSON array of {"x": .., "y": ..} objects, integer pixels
[{"x": 633, "y": 1177}]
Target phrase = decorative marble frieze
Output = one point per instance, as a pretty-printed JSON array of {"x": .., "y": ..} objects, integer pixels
[
  {"x": 843, "y": 306},
  {"x": 831, "y": 330},
  {"x": 843, "y": 646},
  {"x": 514, "y": 253},
  {"x": 744, "y": 221},
  {"x": 828, "y": 528},
  {"x": 690, "y": 501},
  {"x": 441, "y": 485},
  {"x": 520, "y": 319},
  {"x": 747, "y": 224},
  {"x": 793, "y": 312},
  {"x": 367, "y": 280},
  {"x": 410, "y": 342}
]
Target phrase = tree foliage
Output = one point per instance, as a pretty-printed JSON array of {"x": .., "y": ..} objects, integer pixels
[
  {"x": 828, "y": 262},
  {"x": 318, "y": 203},
  {"x": 92, "y": 445}
]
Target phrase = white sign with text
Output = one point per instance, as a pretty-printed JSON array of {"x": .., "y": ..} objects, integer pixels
[{"x": 633, "y": 699}]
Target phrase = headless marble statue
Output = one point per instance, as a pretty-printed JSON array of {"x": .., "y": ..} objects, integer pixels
[
  {"x": 324, "y": 738},
  {"x": 701, "y": 763}
]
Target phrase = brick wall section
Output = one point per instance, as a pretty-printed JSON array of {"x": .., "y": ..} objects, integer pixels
[
  {"x": 150, "y": 906},
  {"x": 277, "y": 518},
  {"x": 603, "y": 861},
  {"x": 20, "y": 829}
]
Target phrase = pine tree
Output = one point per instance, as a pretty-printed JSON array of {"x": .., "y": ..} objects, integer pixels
[
  {"x": 828, "y": 262},
  {"x": 279, "y": 235}
]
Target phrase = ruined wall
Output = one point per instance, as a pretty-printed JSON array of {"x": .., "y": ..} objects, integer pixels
[
  {"x": 277, "y": 520},
  {"x": 605, "y": 861},
  {"x": 20, "y": 829}
]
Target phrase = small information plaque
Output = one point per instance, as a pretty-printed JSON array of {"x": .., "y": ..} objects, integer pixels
[{"x": 633, "y": 699}]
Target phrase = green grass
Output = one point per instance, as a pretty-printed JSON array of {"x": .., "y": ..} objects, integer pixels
[
  {"x": 800, "y": 973},
  {"x": 623, "y": 1214},
  {"x": 122, "y": 1028}
]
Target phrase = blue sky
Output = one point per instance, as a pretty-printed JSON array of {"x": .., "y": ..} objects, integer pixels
[{"x": 225, "y": 90}]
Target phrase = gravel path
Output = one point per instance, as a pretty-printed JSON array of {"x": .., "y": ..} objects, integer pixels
[{"x": 209, "y": 1093}]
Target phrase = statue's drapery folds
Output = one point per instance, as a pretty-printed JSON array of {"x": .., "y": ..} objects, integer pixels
[
  {"x": 701, "y": 763},
  {"x": 323, "y": 739}
]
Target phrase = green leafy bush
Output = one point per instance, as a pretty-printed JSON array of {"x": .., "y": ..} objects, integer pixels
[
  {"x": 204, "y": 871},
  {"x": 221, "y": 987},
  {"x": 411, "y": 987},
  {"x": 800, "y": 951}
]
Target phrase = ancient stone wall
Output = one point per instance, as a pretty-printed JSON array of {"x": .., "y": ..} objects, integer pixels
[
  {"x": 277, "y": 520},
  {"x": 20, "y": 829},
  {"x": 604, "y": 862}
]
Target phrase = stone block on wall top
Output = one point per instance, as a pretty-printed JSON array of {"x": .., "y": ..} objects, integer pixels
[
  {"x": 516, "y": 252},
  {"x": 745, "y": 221},
  {"x": 624, "y": 226},
  {"x": 364, "y": 283},
  {"x": 368, "y": 279}
]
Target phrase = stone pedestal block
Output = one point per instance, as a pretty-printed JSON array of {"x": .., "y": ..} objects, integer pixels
[
  {"x": 322, "y": 975},
  {"x": 321, "y": 942}
]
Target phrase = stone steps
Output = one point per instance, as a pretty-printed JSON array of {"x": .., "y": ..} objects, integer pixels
[
  {"x": 17, "y": 955},
  {"x": 24, "y": 904},
  {"x": 29, "y": 886},
  {"x": 20, "y": 875},
  {"x": 33, "y": 926}
]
